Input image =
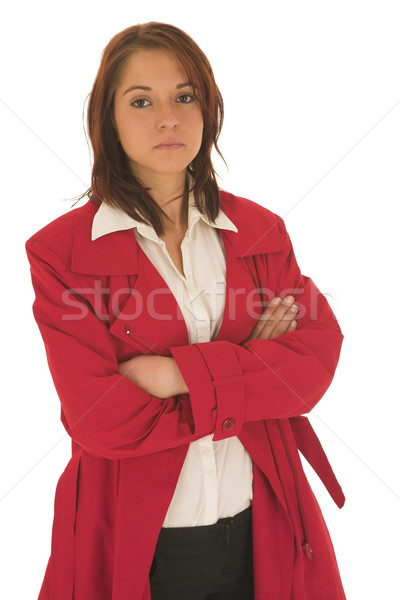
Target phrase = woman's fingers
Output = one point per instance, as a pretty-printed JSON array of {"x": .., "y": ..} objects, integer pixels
[{"x": 276, "y": 319}]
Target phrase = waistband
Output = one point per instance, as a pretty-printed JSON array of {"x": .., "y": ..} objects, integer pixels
[{"x": 241, "y": 518}]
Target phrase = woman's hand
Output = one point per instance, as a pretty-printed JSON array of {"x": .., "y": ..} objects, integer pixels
[{"x": 277, "y": 318}]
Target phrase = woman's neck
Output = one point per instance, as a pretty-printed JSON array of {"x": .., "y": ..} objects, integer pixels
[{"x": 172, "y": 197}]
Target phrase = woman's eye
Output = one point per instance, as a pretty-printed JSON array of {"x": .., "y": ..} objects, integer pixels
[
  {"x": 187, "y": 96},
  {"x": 139, "y": 100}
]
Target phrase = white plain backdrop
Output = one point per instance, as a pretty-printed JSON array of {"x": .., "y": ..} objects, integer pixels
[{"x": 312, "y": 130}]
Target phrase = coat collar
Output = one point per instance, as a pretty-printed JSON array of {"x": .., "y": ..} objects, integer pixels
[{"x": 246, "y": 228}]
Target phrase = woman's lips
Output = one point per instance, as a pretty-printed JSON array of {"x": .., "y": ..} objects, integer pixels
[{"x": 169, "y": 147}]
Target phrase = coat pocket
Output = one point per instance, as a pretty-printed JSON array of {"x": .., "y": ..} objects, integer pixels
[{"x": 140, "y": 342}]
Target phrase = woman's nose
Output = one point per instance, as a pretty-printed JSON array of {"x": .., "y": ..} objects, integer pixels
[{"x": 166, "y": 116}]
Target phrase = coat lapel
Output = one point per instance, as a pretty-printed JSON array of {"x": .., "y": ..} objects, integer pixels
[{"x": 118, "y": 254}]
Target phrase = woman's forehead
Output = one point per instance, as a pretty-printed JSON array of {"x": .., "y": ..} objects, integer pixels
[{"x": 152, "y": 65}]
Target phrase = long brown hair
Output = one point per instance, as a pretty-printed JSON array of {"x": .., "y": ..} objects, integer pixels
[{"x": 112, "y": 180}]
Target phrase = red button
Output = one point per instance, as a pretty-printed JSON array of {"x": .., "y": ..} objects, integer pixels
[{"x": 228, "y": 424}]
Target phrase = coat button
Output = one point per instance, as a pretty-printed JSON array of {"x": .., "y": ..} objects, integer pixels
[{"x": 228, "y": 424}]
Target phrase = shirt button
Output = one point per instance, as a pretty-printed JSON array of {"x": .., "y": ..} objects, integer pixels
[{"x": 228, "y": 424}]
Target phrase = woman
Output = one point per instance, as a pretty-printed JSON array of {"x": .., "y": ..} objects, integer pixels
[{"x": 182, "y": 364}]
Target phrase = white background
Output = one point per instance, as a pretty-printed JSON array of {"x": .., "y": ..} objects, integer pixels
[{"x": 312, "y": 130}]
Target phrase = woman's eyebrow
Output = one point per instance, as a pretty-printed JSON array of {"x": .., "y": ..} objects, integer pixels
[{"x": 148, "y": 89}]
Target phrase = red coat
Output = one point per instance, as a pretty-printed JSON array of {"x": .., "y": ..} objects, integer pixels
[{"x": 94, "y": 308}]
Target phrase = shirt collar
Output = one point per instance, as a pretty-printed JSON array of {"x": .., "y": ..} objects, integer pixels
[{"x": 110, "y": 218}]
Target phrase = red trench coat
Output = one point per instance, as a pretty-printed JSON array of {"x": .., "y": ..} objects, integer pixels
[{"x": 95, "y": 308}]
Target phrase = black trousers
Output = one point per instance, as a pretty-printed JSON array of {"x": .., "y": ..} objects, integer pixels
[{"x": 208, "y": 562}]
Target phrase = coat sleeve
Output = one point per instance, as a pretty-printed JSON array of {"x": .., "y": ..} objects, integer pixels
[
  {"x": 105, "y": 413},
  {"x": 269, "y": 379}
]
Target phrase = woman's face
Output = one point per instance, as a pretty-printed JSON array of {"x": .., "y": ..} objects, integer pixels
[{"x": 163, "y": 107}]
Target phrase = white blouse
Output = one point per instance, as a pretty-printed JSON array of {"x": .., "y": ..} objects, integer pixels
[{"x": 216, "y": 479}]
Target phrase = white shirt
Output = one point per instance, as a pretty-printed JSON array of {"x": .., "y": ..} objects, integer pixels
[{"x": 216, "y": 479}]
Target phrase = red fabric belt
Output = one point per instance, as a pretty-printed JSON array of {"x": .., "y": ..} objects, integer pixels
[{"x": 312, "y": 450}]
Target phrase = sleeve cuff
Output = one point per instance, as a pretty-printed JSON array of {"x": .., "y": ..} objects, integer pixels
[
  {"x": 201, "y": 390},
  {"x": 215, "y": 380}
]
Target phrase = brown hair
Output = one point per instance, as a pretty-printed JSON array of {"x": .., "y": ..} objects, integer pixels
[{"x": 112, "y": 180}]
